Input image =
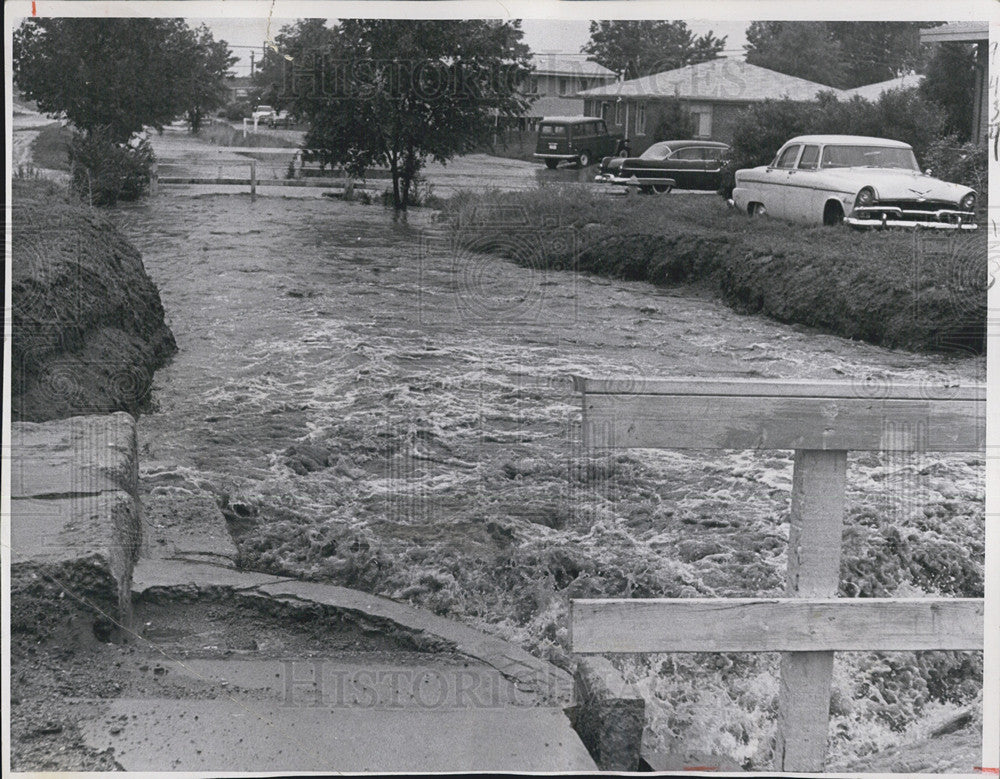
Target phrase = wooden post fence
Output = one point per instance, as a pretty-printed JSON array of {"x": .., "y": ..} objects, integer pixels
[
  {"x": 821, "y": 422},
  {"x": 253, "y": 180}
]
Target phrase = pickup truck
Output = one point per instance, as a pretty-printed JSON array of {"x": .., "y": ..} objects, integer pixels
[{"x": 580, "y": 139}]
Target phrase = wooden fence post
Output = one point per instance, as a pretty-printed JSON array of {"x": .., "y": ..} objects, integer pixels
[
  {"x": 253, "y": 180},
  {"x": 154, "y": 180},
  {"x": 819, "y": 482}
]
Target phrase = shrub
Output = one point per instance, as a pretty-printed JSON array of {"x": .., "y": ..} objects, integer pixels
[
  {"x": 963, "y": 163},
  {"x": 104, "y": 172},
  {"x": 676, "y": 124},
  {"x": 237, "y": 110}
]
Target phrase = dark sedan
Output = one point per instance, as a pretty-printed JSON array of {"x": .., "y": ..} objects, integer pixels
[{"x": 668, "y": 165}]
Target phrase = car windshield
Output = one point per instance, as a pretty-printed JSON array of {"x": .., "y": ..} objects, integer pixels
[
  {"x": 553, "y": 129},
  {"x": 658, "y": 151},
  {"x": 868, "y": 157}
]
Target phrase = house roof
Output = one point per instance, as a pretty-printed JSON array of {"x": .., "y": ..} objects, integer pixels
[
  {"x": 730, "y": 80},
  {"x": 956, "y": 31},
  {"x": 567, "y": 65},
  {"x": 875, "y": 91}
]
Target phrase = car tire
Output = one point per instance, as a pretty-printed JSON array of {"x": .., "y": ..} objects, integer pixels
[
  {"x": 756, "y": 210},
  {"x": 584, "y": 159},
  {"x": 551, "y": 164},
  {"x": 833, "y": 214},
  {"x": 662, "y": 189}
]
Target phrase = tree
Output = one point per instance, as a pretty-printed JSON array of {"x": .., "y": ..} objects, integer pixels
[
  {"x": 119, "y": 74},
  {"x": 950, "y": 82},
  {"x": 641, "y": 48},
  {"x": 803, "y": 49},
  {"x": 293, "y": 44},
  {"x": 208, "y": 65},
  {"x": 843, "y": 55},
  {"x": 397, "y": 92}
]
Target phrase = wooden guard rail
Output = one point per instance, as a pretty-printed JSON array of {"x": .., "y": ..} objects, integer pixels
[{"x": 821, "y": 421}]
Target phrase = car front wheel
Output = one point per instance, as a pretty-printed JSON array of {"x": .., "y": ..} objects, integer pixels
[
  {"x": 584, "y": 159},
  {"x": 756, "y": 210},
  {"x": 833, "y": 214},
  {"x": 662, "y": 189}
]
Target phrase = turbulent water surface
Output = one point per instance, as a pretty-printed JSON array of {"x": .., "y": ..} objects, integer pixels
[{"x": 396, "y": 414}]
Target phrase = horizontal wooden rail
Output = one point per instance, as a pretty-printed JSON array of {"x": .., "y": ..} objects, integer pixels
[
  {"x": 683, "y": 421},
  {"x": 629, "y": 385},
  {"x": 776, "y": 624},
  {"x": 305, "y": 182}
]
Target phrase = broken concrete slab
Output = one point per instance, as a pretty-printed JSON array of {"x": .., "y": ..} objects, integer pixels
[
  {"x": 73, "y": 500},
  {"x": 193, "y": 577},
  {"x": 549, "y": 682},
  {"x": 83, "y": 455},
  {"x": 610, "y": 714},
  {"x": 189, "y": 526},
  {"x": 231, "y": 734}
]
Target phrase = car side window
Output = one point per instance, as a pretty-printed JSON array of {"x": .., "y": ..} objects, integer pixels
[
  {"x": 787, "y": 158},
  {"x": 713, "y": 154},
  {"x": 810, "y": 158},
  {"x": 689, "y": 154}
]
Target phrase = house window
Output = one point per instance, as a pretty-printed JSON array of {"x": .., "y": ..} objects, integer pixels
[
  {"x": 533, "y": 85},
  {"x": 563, "y": 86},
  {"x": 620, "y": 113},
  {"x": 605, "y": 107},
  {"x": 583, "y": 84},
  {"x": 702, "y": 118},
  {"x": 640, "y": 119}
]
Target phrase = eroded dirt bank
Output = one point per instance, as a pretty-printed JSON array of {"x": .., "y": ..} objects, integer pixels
[{"x": 88, "y": 322}]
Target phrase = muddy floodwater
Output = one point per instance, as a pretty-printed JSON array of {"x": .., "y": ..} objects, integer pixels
[{"x": 391, "y": 413}]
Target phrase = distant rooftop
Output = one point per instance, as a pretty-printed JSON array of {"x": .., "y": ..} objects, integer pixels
[
  {"x": 570, "y": 65},
  {"x": 718, "y": 79}
]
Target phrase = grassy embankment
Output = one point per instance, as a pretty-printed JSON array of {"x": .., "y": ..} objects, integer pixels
[
  {"x": 50, "y": 148},
  {"x": 900, "y": 289}
]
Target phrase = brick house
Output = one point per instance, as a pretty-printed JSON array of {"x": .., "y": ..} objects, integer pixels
[
  {"x": 713, "y": 93},
  {"x": 556, "y": 81}
]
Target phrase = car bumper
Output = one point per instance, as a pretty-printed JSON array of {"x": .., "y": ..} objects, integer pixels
[
  {"x": 633, "y": 181},
  {"x": 536, "y": 155},
  {"x": 940, "y": 219}
]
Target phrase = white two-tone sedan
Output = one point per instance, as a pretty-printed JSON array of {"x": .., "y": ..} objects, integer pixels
[{"x": 865, "y": 182}]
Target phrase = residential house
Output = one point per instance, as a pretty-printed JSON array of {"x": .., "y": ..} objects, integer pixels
[
  {"x": 713, "y": 93},
  {"x": 978, "y": 34},
  {"x": 556, "y": 81}
]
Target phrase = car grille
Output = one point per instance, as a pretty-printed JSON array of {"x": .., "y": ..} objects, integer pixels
[{"x": 915, "y": 211}]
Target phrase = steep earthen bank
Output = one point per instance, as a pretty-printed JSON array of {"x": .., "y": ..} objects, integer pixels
[{"x": 88, "y": 326}]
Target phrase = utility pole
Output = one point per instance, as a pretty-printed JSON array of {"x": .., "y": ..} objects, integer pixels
[{"x": 252, "y": 53}]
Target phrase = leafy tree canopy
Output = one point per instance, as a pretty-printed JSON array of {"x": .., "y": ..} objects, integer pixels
[
  {"x": 394, "y": 92},
  {"x": 118, "y": 74},
  {"x": 949, "y": 81},
  {"x": 843, "y": 55},
  {"x": 643, "y": 47}
]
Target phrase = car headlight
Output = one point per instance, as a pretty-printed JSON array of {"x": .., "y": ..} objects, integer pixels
[
  {"x": 968, "y": 203},
  {"x": 865, "y": 197}
]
